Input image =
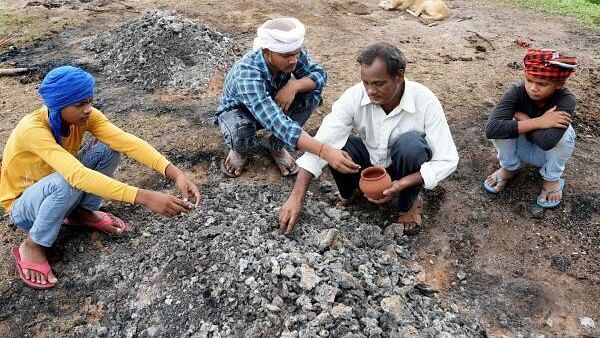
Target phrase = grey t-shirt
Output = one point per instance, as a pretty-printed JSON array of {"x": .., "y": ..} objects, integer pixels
[{"x": 501, "y": 125}]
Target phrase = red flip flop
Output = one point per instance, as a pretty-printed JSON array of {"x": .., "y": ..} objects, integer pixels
[
  {"x": 43, "y": 268},
  {"x": 104, "y": 224}
]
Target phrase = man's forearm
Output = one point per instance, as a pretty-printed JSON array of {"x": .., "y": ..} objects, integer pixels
[
  {"x": 412, "y": 180},
  {"x": 303, "y": 180},
  {"x": 526, "y": 126},
  {"x": 310, "y": 144},
  {"x": 304, "y": 84}
]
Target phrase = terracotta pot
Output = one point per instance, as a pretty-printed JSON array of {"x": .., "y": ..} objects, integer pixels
[{"x": 373, "y": 181}]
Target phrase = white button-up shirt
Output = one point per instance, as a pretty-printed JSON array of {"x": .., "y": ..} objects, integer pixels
[{"x": 419, "y": 110}]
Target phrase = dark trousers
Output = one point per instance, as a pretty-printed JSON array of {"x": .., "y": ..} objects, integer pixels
[
  {"x": 409, "y": 151},
  {"x": 239, "y": 126}
]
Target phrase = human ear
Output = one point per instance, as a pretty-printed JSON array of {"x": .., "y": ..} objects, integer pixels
[{"x": 268, "y": 55}]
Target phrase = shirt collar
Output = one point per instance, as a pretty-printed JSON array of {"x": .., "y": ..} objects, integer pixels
[
  {"x": 407, "y": 103},
  {"x": 263, "y": 64}
]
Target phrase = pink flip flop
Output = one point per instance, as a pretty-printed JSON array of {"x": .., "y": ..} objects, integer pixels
[
  {"x": 104, "y": 224},
  {"x": 43, "y": 268}
]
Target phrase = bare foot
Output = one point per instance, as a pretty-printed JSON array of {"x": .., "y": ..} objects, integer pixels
[
  {"x": 499, "y": 179},
  {"x": 412, "y": 219},
  {"x": 35, "y": 253},
  {"x": 234, "y": 163},
  {"x": 344, "y": 202},
  {"x": 551, "y": 186},
  {"x": 285, "y": 162},
  {"x": 409, "y": 226}
]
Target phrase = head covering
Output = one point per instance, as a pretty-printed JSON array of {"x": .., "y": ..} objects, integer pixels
[
  {"x": 548, "y": 64},
  {"x": 62, "y": 87},
  {"x": 282, "y": 35}
]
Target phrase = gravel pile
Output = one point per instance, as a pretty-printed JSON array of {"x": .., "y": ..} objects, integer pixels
[
  {"x": 225, "y": 271},
  {"x": 163, "y": 50}
]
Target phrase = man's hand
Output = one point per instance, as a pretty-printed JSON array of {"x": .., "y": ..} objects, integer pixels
[
  {"x": 339, "y": 160},
  {"x": 187, "y": 188},
  {"x": 291, "y": 209},
  {"x": 163, "y": 204},
  {"x": 285, "y": 96},
  {"x": 398, "y": 186},
  {"x": 553, "y": 118},
  {"x": 290, "y": 212},
  {"x": 389, "y": 193},
  {"x": 520, "y": 116}
]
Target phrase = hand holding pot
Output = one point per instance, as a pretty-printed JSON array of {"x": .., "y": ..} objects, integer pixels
[
  {"x": 373, "y": 181},
  {"x": 395, "y": 188}
]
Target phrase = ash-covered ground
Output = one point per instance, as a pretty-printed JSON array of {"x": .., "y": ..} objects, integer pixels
[
  {"x": 501, "y": 266},
  {"x": 225, "y": 270}
]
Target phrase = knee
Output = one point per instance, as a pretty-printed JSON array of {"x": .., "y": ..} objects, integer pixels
[
  {"x": 566, "y": 142},
  {"x": 107, "y": 153},
  {"x": 62, "y": 191},
  {"x": 103, "y": 153},
  {"x": 410, "y": 145},
  {"x": 309, "y": 99},
  {"x": 303, "y": 106}
]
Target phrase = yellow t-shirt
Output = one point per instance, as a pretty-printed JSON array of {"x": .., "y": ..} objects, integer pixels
[{"x": 31, "y": 153}]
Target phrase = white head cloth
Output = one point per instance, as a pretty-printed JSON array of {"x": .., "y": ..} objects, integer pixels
[{"x": 282, "y": 35}]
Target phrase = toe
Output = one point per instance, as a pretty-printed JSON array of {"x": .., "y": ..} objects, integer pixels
[
  {"x": 42, "y": 279},
  {"x": 543, "y": 196},
  {"x": 36, "y": 277},
  {"x": 52, "y": 278},
  {"x": 284, "y": 170},
  {"x": 27, "y": 274}
]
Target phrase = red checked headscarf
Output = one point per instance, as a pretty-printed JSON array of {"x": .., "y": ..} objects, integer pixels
[{"x": 548, "y": 64}]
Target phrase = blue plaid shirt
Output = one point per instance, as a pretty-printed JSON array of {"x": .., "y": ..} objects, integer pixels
[{"x": 249, "y": 85}]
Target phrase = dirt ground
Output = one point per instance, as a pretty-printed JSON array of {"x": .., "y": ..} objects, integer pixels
[{"x": 518, "y": 269}]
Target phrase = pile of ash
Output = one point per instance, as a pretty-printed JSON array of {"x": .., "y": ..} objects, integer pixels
[
  {"x": 163, "y": 50},
  {"x": 226, "y": 271}
]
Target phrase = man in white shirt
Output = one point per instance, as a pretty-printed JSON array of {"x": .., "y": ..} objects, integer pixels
[{"x": 400, "y": 125}]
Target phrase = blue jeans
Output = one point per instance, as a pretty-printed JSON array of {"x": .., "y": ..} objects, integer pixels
[
  {"x": 239, "y": 126},
  {"x": 41, "y": 207},
  {"x": 552, "y": 162}
]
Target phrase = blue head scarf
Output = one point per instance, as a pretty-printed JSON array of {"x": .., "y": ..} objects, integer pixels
[{"x": 62, "y": 87}]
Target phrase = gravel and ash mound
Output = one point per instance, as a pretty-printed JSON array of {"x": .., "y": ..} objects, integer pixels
[
  {"x": 163, "y": 50},
  {"x": 225, "y": 271}
]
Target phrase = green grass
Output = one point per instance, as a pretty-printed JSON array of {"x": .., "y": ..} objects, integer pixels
[{"x": 587, "y": 11}]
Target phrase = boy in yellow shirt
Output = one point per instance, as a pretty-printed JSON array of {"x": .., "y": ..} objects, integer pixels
[{"x": 45, "y": 178}]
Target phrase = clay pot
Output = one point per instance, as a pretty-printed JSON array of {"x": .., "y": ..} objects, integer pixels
[{"x": 373, "y": 181}]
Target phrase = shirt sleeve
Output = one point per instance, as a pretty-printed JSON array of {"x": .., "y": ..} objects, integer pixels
[
  {"x": 126, "y": 143},
  {"x": 444, "y": 156},
  {"x": 547, "y": 139},
  {"x": 74, "y": 172},
  {"x": 335, "y": 130},
  {"x": 254, "y": 95},
  {"x": 306, "y": 67},
  {"x": 500, "y": 124}
]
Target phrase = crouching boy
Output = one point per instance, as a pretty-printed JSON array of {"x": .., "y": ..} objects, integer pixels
[{"x": 532, "y": 124}]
